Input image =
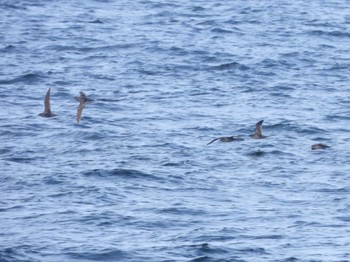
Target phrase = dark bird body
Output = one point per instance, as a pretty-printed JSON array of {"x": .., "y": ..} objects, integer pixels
[
  {"x": 82, "y": 101},
  {"x": 225, "y": 139},
  {"x": 258, "y": 131},
  {"x": 257, "y": 135},
  {"x": 319, "y": 146},
  {"x": 47, "y": 111}
]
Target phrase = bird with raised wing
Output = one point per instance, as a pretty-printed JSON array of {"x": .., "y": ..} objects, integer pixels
[
  {"x": 258, "y": 131},
  {"x": 47, "y": 110},
  {"x": 82, "y": 101}
]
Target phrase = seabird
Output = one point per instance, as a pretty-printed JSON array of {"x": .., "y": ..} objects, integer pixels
[
  {"x": 82, "y": 99},
  {"x": 319, "y": 146},
  {"x": 226, "y": 139},
  {"x": 258, "y": 131},
  {"x": 47, "y": 111}
]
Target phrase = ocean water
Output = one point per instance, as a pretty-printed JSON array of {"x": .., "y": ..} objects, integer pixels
[{"x": 136, "y": 180}]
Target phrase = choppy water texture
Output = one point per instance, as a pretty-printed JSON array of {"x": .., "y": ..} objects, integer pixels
[{"x": 135, "y": 180}]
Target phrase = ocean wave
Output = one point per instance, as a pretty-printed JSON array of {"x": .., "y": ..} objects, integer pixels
[
  {"x": 99, "y": 255},
  {"x": 117, "y": 173},
  {"x": 135, "y": 180},
  {"x": 89, "y": 49},
  {"x": 221, "y": 30},
  {"x": 28, "y": 78},
  {"x": 11, "y": 5},
  {"x": 230, "y": 66},
  {"x": 18, "y": 159},
  {"x": 340, "y": 34},
  {"x": 8, "y": 49},
  {"x": 18, "y": 254}
]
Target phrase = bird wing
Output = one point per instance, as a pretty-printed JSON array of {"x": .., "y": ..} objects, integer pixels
[
  {"x": 47, "y": 103},
  {"x": 213, "y": 140},
  {"x": 82, "y": 98},
  {"x": 258, "y": 128},
  {"x": 80, "y": 111}
]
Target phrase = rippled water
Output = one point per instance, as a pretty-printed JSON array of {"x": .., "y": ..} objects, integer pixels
[{"x": 135, "y": 180}]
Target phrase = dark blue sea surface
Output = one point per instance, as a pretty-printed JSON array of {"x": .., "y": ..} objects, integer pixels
[{"x": 136, "y": 180}]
